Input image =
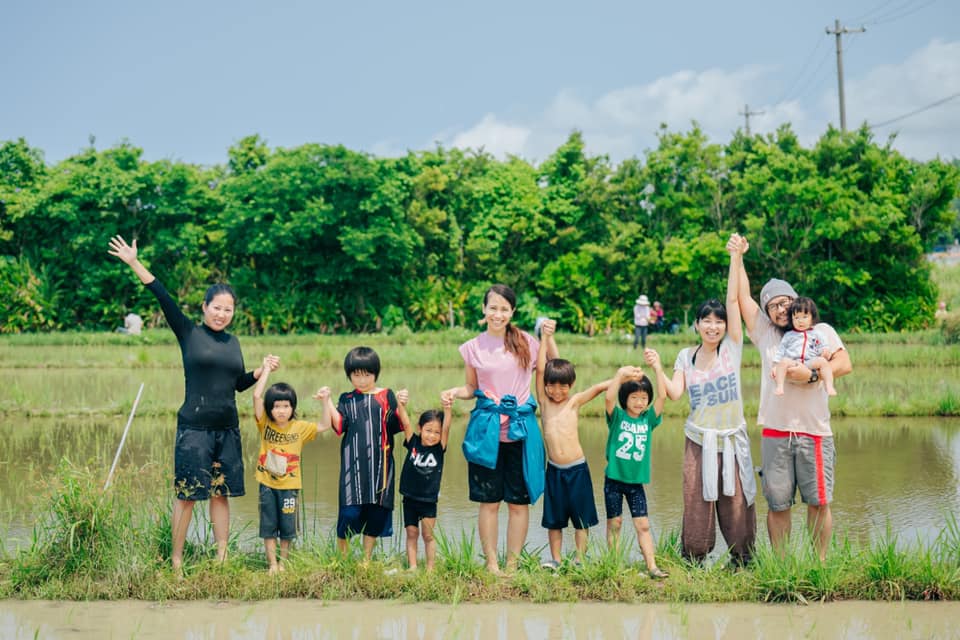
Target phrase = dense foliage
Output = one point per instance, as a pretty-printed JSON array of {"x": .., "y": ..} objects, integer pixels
[{"x": 322, "y": 238}]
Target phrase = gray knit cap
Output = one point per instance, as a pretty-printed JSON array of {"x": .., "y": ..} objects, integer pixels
[{"x": 775, "y": 287}]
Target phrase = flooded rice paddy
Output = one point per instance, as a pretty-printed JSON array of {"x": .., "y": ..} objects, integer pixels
[{"x": 308, "y": 620}]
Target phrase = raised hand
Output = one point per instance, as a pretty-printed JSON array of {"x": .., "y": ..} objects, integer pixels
[
  {"x": 122, "y": 250},
  {"x": 403, "y": 397},
  {"x": 322, "y": 394}
]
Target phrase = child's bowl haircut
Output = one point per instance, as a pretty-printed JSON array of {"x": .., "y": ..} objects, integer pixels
[
  {"x": 362, "y": 359},
  {"x": 632, "y": 386},
  {"x": 280, "y": 391},
  {"x": 559, "y": 371},
  {"x": 804, "y": 305}
]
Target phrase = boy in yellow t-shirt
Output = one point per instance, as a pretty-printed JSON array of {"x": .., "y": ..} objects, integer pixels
[{"x": 278, "y": 463}]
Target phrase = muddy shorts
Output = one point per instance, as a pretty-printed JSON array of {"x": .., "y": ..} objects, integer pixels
[
  {"x": 615, "y": 491},
  {"x": 568, "y": 497},
  {"x": 416, "y": 510},
  {"x": 505, "y": 483},
  {"x": 278, "y": 512},
  {"x": 367, "y": 519},
  {"x": 207, "y": 462},
  {"x": 794, "y": 461}
]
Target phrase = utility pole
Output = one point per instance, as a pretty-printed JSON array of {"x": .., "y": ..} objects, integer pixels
[
  {"x": 746, "y": 113},
  {"x": 838, "y": 31}
]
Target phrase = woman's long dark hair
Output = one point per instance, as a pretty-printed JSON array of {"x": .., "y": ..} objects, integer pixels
[{"x": 513, "y": 341}]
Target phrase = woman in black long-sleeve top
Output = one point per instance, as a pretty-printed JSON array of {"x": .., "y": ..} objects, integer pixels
[{"x": 208, "y": 460}]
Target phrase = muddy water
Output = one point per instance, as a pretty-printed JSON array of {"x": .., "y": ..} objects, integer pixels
[
  {"x": 311, "y": 619},
  {"x": 901, "y": 473}
]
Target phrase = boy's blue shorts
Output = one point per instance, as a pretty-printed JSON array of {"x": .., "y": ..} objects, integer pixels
[
  {"x": 569, "y": 497},
  {"x": 368, "y": 519}
]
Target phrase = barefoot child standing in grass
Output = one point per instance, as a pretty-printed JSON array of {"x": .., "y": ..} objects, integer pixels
[
  {"x": 421, "y": 475},
  {"x": 366, "y": 419},
  {"x": 282, "y": 437},
  {"x": 568, "y": 494},
  {"x": 628, "y": 452}
]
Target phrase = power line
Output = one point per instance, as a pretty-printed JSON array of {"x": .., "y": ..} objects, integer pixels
[
  {"x": 870, "y": 12},
  {"x": 815, "y": 79},
  {"x": 900, "y": 12},
  {"x": 916, "y": 111},
  {"x": 803, "y": 70}
]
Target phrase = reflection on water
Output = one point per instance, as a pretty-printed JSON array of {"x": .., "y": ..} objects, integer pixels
[
  {"x": 900, "y": 472},
  {"x": 309, "y": 620}
]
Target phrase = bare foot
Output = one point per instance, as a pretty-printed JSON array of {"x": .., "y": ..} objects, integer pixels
[
  {"x": 494, "y": 569},
  {"x": 831, "y": 391},
  {"x": 281, "y": 567},
  {"x": 778, "y": 391},
  {"x": 273, "y": 569}
]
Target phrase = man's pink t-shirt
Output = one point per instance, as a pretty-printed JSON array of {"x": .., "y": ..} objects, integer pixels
[{"x": 498, "y": 371}]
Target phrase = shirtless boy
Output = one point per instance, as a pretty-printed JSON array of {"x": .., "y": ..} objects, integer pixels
[{"x": 569, "y": 490}]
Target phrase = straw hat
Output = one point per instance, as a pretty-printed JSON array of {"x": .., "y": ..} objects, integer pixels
[{"x": 643, "y": 299}]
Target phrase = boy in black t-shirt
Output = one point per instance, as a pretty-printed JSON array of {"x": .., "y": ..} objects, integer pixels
[{"x": 420, "y": 478}]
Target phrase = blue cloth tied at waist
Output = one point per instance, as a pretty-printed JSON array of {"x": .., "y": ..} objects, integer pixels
[{"x": 481, "y": 443}]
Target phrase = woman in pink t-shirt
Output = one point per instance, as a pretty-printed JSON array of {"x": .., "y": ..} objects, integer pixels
[{"x": 499, "y": 362}]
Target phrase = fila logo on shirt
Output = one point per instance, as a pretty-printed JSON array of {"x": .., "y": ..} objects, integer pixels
[{"x": 420, "y": 460}]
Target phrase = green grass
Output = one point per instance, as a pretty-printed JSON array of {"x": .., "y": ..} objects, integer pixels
[{"x": 91, "y": 544}]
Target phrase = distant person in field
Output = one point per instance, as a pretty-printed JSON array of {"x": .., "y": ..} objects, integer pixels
[
  {"x": 421, "y": 476},
  {"x": 803, "y": 343},
  {"x": 208, "y": 458},
  {"x": 797, "y": 442},
  {"x": 657, "y": 317},
  {"x": 366, "y": 420},
  {"x": 568, "y": 494},
  {"x": 132, "y": 324},
  {"x": 641, "y": 321},
  {"x": 503, "y": 445},
  {"x": 279, "y": 473},
  {"x": 633, "y": 412}
]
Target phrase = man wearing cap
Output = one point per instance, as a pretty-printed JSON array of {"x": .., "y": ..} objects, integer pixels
[
  {"x": 797, "y": 443},
  {"x": 641, "y": 321}
]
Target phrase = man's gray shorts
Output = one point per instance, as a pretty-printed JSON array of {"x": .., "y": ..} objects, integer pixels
[{"x": 796, "y": 460}]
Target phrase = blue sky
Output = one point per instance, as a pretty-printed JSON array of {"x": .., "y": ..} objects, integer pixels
[{"x": 186, "y": 80}]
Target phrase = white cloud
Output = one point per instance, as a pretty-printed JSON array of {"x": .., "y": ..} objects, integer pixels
[
  {"x": 890, "y": 91},
  {"x": 496, "y": 137},
  {"x": 624, "y": 122}
]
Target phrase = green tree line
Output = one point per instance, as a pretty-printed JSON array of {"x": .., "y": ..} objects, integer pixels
[{"x": 320, "y": 238}]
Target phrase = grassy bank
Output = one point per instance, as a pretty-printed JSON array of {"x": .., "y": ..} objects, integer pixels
[{"x": 89, "y": 544}]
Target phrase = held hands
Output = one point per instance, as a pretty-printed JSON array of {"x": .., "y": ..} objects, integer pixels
[
  {"x": 548, "y": 328},
  {"x": 403, "y": 397},
  {"x": 322, "y": 394},
  {"x": 630, "y": 372},
  {"x": 271, "y": 362},
  {"x": 448, "y": 395},
  {"x": 122, "y": 250},
  {"x": 652, "y": 358},
  {"x": 446, "y": 401}
]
